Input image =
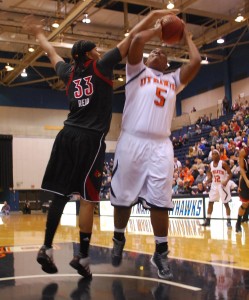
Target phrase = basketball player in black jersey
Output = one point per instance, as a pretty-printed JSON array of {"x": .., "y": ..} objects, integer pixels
[
  {"x": 243, "y": 185},
  {"x": 78, "y": 153}
]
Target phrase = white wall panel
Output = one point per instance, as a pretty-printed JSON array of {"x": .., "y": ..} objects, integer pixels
[{"x": 30, "y": 157}]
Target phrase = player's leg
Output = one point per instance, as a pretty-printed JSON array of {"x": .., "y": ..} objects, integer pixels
[
  {"x": 209, "y": 213},
  {"x": 241, "y": 213},
  {"x": 121, "y": 218},
  {"x": 129, "y": 175},
  {"x": 159, "y": 184},
  {"x": 45, "y": 254},
  {"x": 245, "y": 216},
  {"x": 81, "y": 260},
  {"x": 160, "y": 223},
  {"x": 225, "y": 196}
]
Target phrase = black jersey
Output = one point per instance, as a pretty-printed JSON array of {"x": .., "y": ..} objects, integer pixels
[
  {"x": 244, "y": 190},
  {"x": 90, "y": 92}
]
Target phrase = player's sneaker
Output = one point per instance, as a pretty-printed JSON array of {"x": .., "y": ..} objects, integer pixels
[
  {"x": 82, "y": 266},
  {"x": 206, "y": 223},
  {"x": 238, "y": 228},
  {"x": 117, "y": 252},
  {"x": 229, "y": 224},
  {"x": 161, "y": 262},
  {"x": 45, "y": 259}
]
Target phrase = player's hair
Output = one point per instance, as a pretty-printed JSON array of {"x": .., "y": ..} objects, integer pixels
[{"x": 79, "y": 50}]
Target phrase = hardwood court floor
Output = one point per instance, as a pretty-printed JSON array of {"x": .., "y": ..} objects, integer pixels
[{"x": 207, "y": 263}]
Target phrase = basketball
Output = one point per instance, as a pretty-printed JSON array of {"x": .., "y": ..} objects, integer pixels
[{"x": 172, "y": 29}]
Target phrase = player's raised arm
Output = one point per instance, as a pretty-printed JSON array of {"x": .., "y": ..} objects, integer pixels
[
  {"x": 189, "y": 70},
  {"x": 31, "y": 25}
]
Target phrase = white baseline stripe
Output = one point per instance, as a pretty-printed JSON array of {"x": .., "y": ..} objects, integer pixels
[{"x": 188, "y": 287}]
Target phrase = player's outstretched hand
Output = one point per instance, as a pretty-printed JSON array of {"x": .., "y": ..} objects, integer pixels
[{"x": 31, "y": 25}]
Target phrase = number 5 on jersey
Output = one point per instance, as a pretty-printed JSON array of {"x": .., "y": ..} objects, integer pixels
[{"x": 159, "y": 94}]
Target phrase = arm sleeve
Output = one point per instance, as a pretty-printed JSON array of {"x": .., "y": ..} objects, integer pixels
[
  {"x": 63, "y": 70},
  {"x": 108, "y": 61}
]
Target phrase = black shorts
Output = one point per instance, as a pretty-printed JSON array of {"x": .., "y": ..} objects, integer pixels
[
  {"x": 244, "y": 191},
  {"x": 76, "y": 163}
]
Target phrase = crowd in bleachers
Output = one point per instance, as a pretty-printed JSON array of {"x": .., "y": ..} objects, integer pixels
[
  {"x": 193, "y": 154},
  {"x": 106, "y": 180}
]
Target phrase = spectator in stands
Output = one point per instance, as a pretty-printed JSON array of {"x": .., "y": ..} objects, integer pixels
[
  {"x": 176, "y": 143},
  {"x": 197, "y": 129},
  {"x": 231, "y": 144},
  {"x": 111, "y": 165},
  {"x": 201, "y": 147},
  {"x": 223, "y": 153},
  {"x": 215, "y": 138},
  {"x": 206, "y": 121},
  {"x": 244, "y": 137},
  {"x": 225, "y": 144},
  {"x": 217, "y": 147},
  {"x": 225, "y": 106},
  {"x": 192, "y": 152},
  {"x": 176, "y": 176},
  {"x": 243, "y": 127},
  {"x": 194, "y": 171},
  {"x": 235, "y": 155},
  {"x": 235, "y": 106},
  {"x": 188, "y": 163},
  {"x": 5, "y": 209},
  {"x": 209, "y": 158},
  {"x": 223, "y": 129},
  {"x": 235, "y": 170},
  {"x": 187, "y": 188},
  {"x": 185, "y": 138},
  {"x": 201, "y": 177},
  {"x": 26, "y": 208},
  {"x": 199, "y": 163},
  {"x": 238, "y": 142},
  {"x": 199, "y": 189},
  {"x": 213, "y": 131},
  {"x": 174, "y": 187},
  {"x": 183, "y": 172},
  {"x": 235, "y": 127},
  {"x": 180, "y": 188},
  {"x": 177, "y": 163},
  {"x": 189, "y": 178}
]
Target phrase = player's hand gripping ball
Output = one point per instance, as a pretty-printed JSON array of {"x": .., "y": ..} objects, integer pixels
[{"x": 172, "y": 29}]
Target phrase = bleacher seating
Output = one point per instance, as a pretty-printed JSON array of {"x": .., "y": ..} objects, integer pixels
[{"x": 181, "y": 152}]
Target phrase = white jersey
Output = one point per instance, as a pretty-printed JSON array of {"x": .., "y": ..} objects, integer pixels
[
  {"x": 148, "y": 111},
  {"x": 218, "y": 173}
]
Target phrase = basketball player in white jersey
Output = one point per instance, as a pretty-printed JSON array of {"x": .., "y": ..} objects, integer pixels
[
  {"x": 220, "y": 174},
  {"x": 144, "y": 159}
]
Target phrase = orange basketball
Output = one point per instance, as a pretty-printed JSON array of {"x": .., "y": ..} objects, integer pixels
[{"x": 172, "y": 29}]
